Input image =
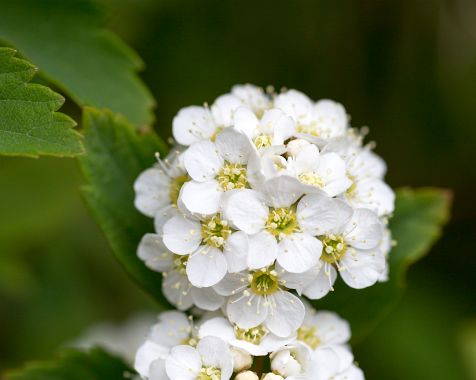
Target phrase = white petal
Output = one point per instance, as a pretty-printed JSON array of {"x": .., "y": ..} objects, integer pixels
[
  {"x": 181, "y": 235},
  {"x": 332, "y": 328},
  {"x": 263, "y": 250},
  {"x": 218, "y": 327},
  {"x": 157, "y": 370},
  {"x": 233, "y": 146},
  {"x": 215, "y": 352},
  {"x": 246, "y": 311},
  {"x": 299, "y": 252},
  {"x": 252, "y": 96},
  {"x": 373, "y": 194},
  {"x": 364, "y": 230},
  {"x": 183, "y": 363},
  {"x": 193, "y": 124},
  {"x": 176, "y": 289},
  {"x": 202, "y": 161},
  {"x": 294, "y": 104},
  {"x": 333, "y": 172},
  {"x": 297, "y": 281},
  {"x": 246, "y": 121},
  {"x": 206, "y": 267},
  {"x": 321, "y": 215},
  {"x": 322, "y": 284},
  {"x": 282, "y": 191},
  {"x": 351, "y": 373},
  {"x": 201, "y": 197},
  {"x": 362, "y": 268},
  {"x": 229, "y": 285},
  {"x": 223, "y": 109},
  {"x": 236, "y": 252},
  {"x": 162, "y": 216},
  {"x": 153, "y": 252},
  {"x": 172, "y": 328},
  {"x": 331, "y": 118},
  {"x": 275, "y": 123},
  {"x": 246, "y": 210},
  {"x": 286, "y": 314},
  {"x": 146, "y": 354},
  {"x": 207, "y": 298},
  {"x": 151, "y": 191}
]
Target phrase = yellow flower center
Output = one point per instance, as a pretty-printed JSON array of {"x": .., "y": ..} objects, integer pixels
[
  {"x": 309, "y": 336},
  {"x": 264, "y": 282},
  {"x": 180, "y": 263},
  {"x": 263, "y": 141},
  {"x": 232, "y": 176},
  {"x": 209, "y": 373},
  {"x": 215, "y": 231},
  {"x": 282, "y": 221},
  {"x": 310, "y": 129},
  {"x": 311, "y": 178},
  {"x": 175, "y": 187},
  {"x": 334, "y": 248},
  {"x": 253, "y": 335}
]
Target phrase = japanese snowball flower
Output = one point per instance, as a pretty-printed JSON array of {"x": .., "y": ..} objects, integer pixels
[
  {"x": 175, "y": 284},
  {"x": 157, "y": 188},
  {"x": 215, "y": 168},
  {"x": 278, "y": 229},
  {"x": 173, "y": 328},
  {"x": 257, "y": 340},
  {"x": 210, "y": 360},
  {"x": 366, "y": 171},
  {"x": 292, "y": 362},
  {"x": 196, "y": 123},
  {"x": 322, "y": 120},
  {"x": 261, "y": 297}
]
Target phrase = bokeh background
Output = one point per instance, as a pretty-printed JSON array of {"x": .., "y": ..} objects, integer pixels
[{"x": 405, "y": 68}]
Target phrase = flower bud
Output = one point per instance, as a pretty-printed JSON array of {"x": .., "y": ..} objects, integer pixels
[
  {"x": 247, "y": 375},
  {"x": 295, "y": 146},
  {"x": 241, "y": 360},
  {"x": 272, "y": 376},
  {"x": 285, "y": 364}
]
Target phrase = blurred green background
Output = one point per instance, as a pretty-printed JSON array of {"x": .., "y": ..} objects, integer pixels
[{"x": 405, "y": 68}]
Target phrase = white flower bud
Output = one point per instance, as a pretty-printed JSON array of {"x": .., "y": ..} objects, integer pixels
[
  {"x": 295, "y": 146},
  {"x": 247, "y": 375},
  {"x": 272, "y": 376},
  {"x": 241, "y": 360},
  {"x": 285, "y": 364}
]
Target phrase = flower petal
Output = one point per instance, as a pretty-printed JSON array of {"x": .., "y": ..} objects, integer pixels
[
  {"x": 362, "y": 268},
  {"x": 286, "y": 314},
  {"x": 176, "y": 289},
  {"x": 207, "y": 298},
  {"x": 201, "y": 197},
  {"x": 299, "y": 252},
  {"x": 246, "y": 210},
  {"x": 233, "y": 146},
  {"x": 282, "y": 191},
  {"x": 218, "y": 327},
  {"x": 223, "y": 109},
  {"x": 373, "y": 194},
  {"x": 181, "y": 235},
  {"x": 146, "y": 354},
  {"x": 245, "y": 121},
  {"x": 236, "y": 252},
  {"x": 263, "y": 250},
  {"x": 183, "y": 363},
  {"x": 322, "y": 284},
  {"x": 231, "y": 284},
  {"x": 154, "y": 253},
  {"x": 151, "y": 191},
  {"x": 364, "y": 230},
  {"x": 216, "y": 353},
  {"x": 172, "y": 328},
  {"x": 246, "y": 311},
  {"x": 206, "y": 267},
  {"x": 202, "y": 161},
  {"x": 193, "y": 124}
]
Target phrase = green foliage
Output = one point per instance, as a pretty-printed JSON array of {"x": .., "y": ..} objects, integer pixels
[
  {"x": 66, "y": 40},
  {"x": 115, "y": 156},
  {"x": 75, "y": 365},
  {"x": 29, "y": 125},
  {"x": 416, "y": 225}
]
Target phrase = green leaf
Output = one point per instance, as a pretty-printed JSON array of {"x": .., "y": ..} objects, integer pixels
[
  {"x": 115, "y": 156},
  {"x": 29, "y": 125},
  {"x": 75, "y": 365},
  {"x": 416, "y": 225},
  {"x": 67, "y": 41}
]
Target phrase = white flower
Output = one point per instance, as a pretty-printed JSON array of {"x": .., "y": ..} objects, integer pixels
[
  {"x": 210, "y": 360},
  {"x": 291, "y": 361},
  {"x": 175, "y": 284},
  {"x": 322, "y": 120},
  {"x": 172, "y": 329},
  {"x": 260, "y": 298},
  {"x": 157, "y": 188},
  {"x": 326, "y": 172},
  {"x": 272, "y": 129},
  {"x": 241, "y": 359},
  {"x": 215, "y": 168},
  {"x": 349, "y": 244},
  {"x": 247, "y": 375},
  {"x": 332, "y": 363},
  {"x": 256, "y": 340},
  {"x": 252, "y": 96},
  {"x": 283, "y": 232}
]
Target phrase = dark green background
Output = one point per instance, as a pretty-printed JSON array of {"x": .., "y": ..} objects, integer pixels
[{"x": 407, "y": 69}]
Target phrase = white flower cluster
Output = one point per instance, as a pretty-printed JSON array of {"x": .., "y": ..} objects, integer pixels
[
  {"x": 215, "y": 349},
  {"x": 266, "y": 197}
]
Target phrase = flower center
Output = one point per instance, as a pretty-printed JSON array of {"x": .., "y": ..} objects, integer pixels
[
  {"x": 253, "y": 335},
  {"x": 175, "y": 187},
  {"x": 264, "y": 282},
  {"x": 180, "y": 263},
  {"x": 282, "y": 221},
  {"x": 215, "y": 134},
  {"x": 209, "y": 373},
  {"x": 232, "y": 176},
  {"x": 334, "y": 248},
  {"x": 309, "y": 336},
  {"x": 311, "y": 178},
  {"x": 263, "y": 141},
  {"x": 215, "y": 231},
  {"x": 310, "y": 129}
]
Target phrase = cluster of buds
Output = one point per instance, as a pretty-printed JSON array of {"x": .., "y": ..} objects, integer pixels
[{"x": 266, "y": 198}]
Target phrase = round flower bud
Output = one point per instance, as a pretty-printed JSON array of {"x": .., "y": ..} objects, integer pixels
[
  {"x": 247, "y": 375},
  {"x": 295, "y": 146},
  {"x": 285, "y": 364},
  {"x": 272, "y": 376},
  {"x": 241, "y": 360}
]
